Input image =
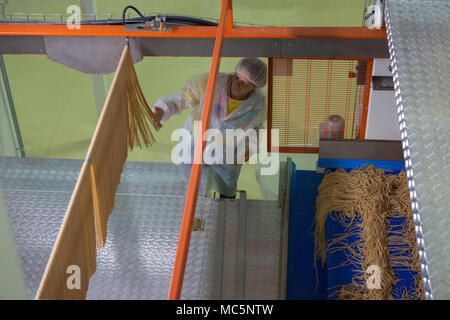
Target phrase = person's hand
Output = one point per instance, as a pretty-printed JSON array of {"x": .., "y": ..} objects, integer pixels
[{"x": 159, "y": 113}]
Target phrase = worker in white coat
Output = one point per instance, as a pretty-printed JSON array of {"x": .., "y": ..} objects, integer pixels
[{"x": 238, "y": 104}]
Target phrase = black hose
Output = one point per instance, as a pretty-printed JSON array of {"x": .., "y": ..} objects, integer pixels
[
  {"x": 134, "y": 8},
  {"x": 194, "y": 21},
  {"x": 178, "y": 20}
]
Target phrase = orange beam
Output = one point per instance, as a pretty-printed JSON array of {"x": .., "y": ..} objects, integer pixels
[
  {"x": 269, "y": 104},
  {"x": 365, "y": 111},
  {"x": 184, "y": 238},
  {"x": 194, "y": 32},
  {"x": 298, "y": 150},
  {"x": 230, "y": 14}
]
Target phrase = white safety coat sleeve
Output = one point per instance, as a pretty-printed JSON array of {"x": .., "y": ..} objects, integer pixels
[
  {"x": 188, "y": 97},
  {"x": 171, "y": 105}
]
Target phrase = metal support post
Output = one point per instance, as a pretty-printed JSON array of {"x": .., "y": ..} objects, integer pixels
[{"x": 11, "y": 144}]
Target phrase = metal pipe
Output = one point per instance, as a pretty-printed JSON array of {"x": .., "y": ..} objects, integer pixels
[
  {"x": 4, "y": 4},
  {"x": 11, "y": 106}
]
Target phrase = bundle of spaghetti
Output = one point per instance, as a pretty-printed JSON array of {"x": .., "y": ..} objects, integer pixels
[
  {"x": 139, "y": 113},
  {"x": 124, "y": 121},
  {"x": 363, "y": 200},
  {"x": 74, "y": 247},
  {"x": 403, "y": 241},
  {"x": 109, "y": 146}
]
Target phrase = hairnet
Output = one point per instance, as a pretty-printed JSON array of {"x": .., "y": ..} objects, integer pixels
[{"x": 256, "y": 71}]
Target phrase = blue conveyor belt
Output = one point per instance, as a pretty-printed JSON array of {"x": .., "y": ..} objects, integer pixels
[
  {"x": 341, "y": 269},
  {"x": 305, "y": 281}
]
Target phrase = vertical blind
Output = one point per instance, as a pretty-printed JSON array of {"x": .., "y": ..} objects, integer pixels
[{"x": 305, "y": 93}]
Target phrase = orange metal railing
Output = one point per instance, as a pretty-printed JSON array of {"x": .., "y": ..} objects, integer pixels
[{"x": 195, "y": 32}]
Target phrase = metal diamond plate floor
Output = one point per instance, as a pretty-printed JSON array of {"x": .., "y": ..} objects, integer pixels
[
  {"x": 419, "y": 44},
  {"x": 262, "y": 250},
  {"x": 137, "y": 260}
]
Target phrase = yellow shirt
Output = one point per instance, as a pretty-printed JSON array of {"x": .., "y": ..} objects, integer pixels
[{"x": 233, "y": 104}]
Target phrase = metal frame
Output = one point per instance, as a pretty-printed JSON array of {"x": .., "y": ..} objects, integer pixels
[
  {"x": 284, "y": 194},
  {"x": 365, "y": 111},
  {"x": 220, "y": 241},
  {"x": 195, "y": 32},
  {"x": 417, "y": 31},
  {"x": 11, "y": 129},
  {"x": 349, "y": 42},
  {"x": 388, "y": 150},
  {"x": 233, "y": 46}
]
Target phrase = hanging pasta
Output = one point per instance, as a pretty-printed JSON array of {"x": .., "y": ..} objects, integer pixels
[
  {"x": 139, "y": 113},
  {"x": 126, "y": 120}
]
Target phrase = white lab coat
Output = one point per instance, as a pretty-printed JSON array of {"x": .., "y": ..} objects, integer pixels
[{"x": 250, "y": 114}]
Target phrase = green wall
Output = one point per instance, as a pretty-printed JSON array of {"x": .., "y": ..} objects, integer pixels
[{"x": 263, "y": 12}]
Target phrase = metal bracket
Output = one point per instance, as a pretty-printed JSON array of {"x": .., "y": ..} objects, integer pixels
[
  {"x": 284, "y": 199},
  {"x": 199, "y": 224},
  {"x": 158, "y": 24},
  {"x": 382, "y": 83},
  {"x": 10, "y": 134}
]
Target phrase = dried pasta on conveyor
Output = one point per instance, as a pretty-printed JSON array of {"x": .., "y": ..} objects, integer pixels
[{"x": 364, "y": 233}]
